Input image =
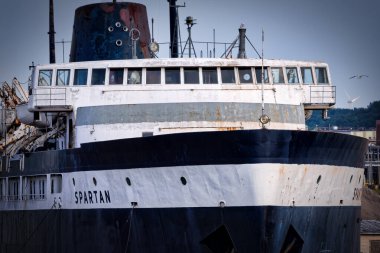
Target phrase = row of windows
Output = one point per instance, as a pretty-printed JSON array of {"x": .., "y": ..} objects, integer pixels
[
  {"x": 33, "y": 187},
  {"x": 185, "y": 75}
]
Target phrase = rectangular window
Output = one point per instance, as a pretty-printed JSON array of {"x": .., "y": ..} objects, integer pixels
[
  {"x": 277, "y": 75},
  {"x": 153, "y": 76},
  {"x": 80, "y": 77},
  {"x": 245, "y": 75},
  {"x": 45, "y": 77},
  {"x": 63, "y": 77},
  {"x": 34, "y": 187},
  {"x": 292, "y": 75},
  {"x": 258, "y": 71},
  {"x": 134, "y": 75},
  {"x": 2, "y": 188},
  {"x": 172, "y": 76},
  {"x": 375, "y": 246},
  {"x": 13, "y": 184},
  {"x": 116, "y": 76},
  {"x": 56, "y": 183},
  {"x": 228, "y": 75},
  {"x": 321, "y": 75},
  {"x": 210, "y": 75},
  {"x": 307, "y": 75},
  {"x": 191, "y": 75},
  {"x": 98, "y": 76}
]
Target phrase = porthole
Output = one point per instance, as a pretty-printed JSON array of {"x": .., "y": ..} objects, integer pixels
[
  {"x": 125, "y": 29},
  {"x": 94, "y": 180},
  {"x": 128, "y": 181},
  {"x": 119, "y": 43},
  {"x": 183, "y": 181},
  {"x": 117, "y": 24},
  {"x": 73, "y": 181},
  {"x": 319, "y": 179},
  {"x": 247, "y": 77},
  {"x": 110, "y": 29}
]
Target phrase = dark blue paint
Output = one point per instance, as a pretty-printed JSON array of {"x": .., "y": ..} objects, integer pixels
[{"x": 93, "y": 41}]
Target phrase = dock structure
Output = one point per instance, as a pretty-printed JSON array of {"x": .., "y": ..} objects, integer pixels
[{"x": 372, "y": 159}]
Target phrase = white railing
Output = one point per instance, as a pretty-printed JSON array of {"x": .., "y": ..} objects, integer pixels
[{"x": 54, "y": 97}]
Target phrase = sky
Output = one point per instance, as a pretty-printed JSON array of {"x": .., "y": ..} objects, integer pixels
[{"x": 343, "y": 33}]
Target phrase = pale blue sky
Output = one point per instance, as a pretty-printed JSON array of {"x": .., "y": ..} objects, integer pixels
[{"x": 343, "y": 33}]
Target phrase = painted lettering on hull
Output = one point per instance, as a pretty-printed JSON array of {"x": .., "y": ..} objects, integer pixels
[{"x": 92, "y": 197}]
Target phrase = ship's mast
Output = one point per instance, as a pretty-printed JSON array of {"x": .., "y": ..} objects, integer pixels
[
  {"x": 173, "y": 28},
  {"x": 51, "y": 32}
]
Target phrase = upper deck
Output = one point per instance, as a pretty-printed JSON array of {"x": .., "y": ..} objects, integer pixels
[{"x": 56, "y": 87}]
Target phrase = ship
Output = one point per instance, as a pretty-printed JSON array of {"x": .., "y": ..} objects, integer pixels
[{"x": 121, "y": 151}]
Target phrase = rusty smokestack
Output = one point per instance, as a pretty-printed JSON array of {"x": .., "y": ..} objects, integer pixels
[
  {"x": 51, "y": 32},
  {"x": 173, "y": 28}
]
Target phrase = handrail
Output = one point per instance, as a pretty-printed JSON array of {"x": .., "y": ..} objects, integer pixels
[
  {"x": 322, "y": 94},
  {"x": 55, "y": 96}
]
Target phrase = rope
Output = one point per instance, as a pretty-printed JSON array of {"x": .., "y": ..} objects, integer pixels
[{"x": 35, "y": 230}]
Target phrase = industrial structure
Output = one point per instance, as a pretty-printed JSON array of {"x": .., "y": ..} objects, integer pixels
[{"x": 372, "y": 159}]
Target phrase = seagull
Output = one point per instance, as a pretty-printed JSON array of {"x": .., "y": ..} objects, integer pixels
[
  {"x": 351, "y": 101},
  {"x": 358, "y": 76}
]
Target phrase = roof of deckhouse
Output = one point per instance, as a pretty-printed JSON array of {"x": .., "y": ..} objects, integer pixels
[{"x": 370, "y": 227}]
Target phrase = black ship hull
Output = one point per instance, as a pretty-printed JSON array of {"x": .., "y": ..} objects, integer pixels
[
  {"x": 246, "y": 229},
  {"x": 248, "y": 223}
]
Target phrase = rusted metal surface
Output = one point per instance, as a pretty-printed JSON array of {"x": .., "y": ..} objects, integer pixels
[{"x": 103, "y": 32}]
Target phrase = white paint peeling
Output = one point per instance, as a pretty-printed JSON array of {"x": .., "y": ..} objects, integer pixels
[{"x": 207, "y": 185}]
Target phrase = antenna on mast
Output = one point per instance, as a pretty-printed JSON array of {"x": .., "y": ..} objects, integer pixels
[
  {"x": 190, "y": 21},
  {"x": 264, "y": 119}
]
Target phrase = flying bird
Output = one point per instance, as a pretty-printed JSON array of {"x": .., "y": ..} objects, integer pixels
[
  {"x": 358, "y": 76},
  {"x": 351, "y": 101}
]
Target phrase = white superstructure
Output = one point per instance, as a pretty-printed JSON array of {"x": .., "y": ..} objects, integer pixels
[{"x": 115, "y": 99}]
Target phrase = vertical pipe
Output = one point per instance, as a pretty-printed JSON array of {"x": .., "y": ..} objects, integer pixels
[
  {"x": 242, "y": 54},
  {"x": 51, "y": 32},
  {"x": 262, "y": 72},
  {"x": 190, "y": 43},
  {"x": 173, "y": 29},
  {"x": 214, "y": 41}
]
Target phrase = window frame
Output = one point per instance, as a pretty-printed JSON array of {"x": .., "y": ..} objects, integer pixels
[
  {"x": 233, "y": 75},
  {"x": 326, "y": 76},
  {"x": 68, "y": 78},
  {"x": 122, "y": 75},
  {"x": 77, "y": 84},
  {"x": 240, "y": 77},
  {"x": 311, "y": 75},
  {"x": 94, "y": 82},
  {"x": 216, "y": 75},
  {"x": 50, "y": 78},
  {"x": 297, "y": 74},
  {"x": 129, "y": 73},
  {"x": 195, "y": 75},
  {"x": 266, "y": 71},
  {"x": 179, "y": 76},
  {"x": 281, "y": 71},
  {"x": 147, "y": 71}
]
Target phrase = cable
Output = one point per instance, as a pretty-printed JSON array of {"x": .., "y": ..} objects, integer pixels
[
  {"x": 129, "y": 229},
  {"x": 35, "y": 230}
]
